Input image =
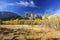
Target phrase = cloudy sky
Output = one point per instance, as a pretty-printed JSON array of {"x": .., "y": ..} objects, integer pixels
[{"x": 40, "y": 7}]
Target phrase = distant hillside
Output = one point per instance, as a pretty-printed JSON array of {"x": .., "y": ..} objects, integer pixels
[{"x": 8, "y": 15}]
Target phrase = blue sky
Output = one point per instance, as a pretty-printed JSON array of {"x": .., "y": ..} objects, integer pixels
[{"x": 40, "y": 7}]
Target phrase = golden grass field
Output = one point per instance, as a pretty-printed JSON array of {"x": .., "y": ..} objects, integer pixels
[{"x": 28, "y": 32}]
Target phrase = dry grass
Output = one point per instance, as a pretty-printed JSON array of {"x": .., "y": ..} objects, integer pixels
[{"x": 28, "y": 32}]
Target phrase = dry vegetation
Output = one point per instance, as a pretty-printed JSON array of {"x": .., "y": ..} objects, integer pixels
[
  {"x": 28, "y": 32},
  {"x": 38, "y": 29}
]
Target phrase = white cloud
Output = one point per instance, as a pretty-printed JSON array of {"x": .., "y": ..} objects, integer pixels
[
  {"x": 32, "y": 3},
  {"x": 56, "y": 13},
  {"x": 4, "y": 5},
  {"x": 22, "y": 3},
  {"x": 25, "y": 3}
]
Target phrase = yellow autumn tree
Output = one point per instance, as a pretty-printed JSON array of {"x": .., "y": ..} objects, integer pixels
[
  {"x": 45, "y": 19},
  {"x": 54, "y": 21},
  {"x": 16, "y": 21},
  {"x": 37, "y": 21}
]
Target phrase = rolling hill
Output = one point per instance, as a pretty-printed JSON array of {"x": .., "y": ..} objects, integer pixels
[{"x": 8, "y": 15}]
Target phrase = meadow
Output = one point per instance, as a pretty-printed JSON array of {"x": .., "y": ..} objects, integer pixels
[
  {"x": 28, "y": 32},
  {"x": 37, "y": 29}
]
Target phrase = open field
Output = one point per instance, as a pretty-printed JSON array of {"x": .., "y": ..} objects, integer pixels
[{"x": 28, "y": 32}]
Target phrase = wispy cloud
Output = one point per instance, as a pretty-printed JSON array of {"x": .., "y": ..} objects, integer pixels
[
  {"x": 25, "y": 3},
  {"x": 21, "y": 3},
  {"x": 56, "y": 13},
  {"x": 4, "y": 5},
  {"x": 10, "y": 4}
]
